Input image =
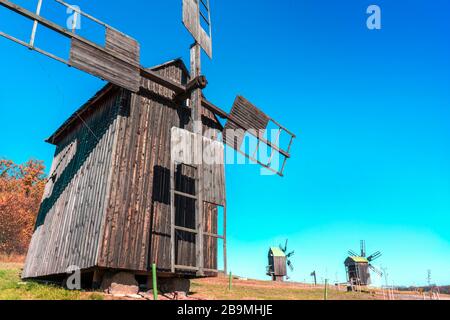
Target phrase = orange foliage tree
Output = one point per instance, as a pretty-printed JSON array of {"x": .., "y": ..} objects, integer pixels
[{"x": 21, "y": 190}]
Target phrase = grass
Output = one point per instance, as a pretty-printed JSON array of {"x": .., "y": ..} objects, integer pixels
[
  {"x": 13, "y": 288},
  {"x": 260, "y": 290}
]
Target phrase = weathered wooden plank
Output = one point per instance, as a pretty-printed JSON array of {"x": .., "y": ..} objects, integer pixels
[
  {"x": 104, "y": 65},
  {"x": 249, "y": 118},
  {"x": 122, "y": 46}
]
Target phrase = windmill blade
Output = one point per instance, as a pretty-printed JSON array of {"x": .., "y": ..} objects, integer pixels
[
  {"x": 195, "y": 13},
  {"x": 117, "y": 61},
  {"x": 291, "y": 254},
  {"x": 379, "y": 272},
  {"x": 363, "y": 248},
  {"x": 374, "y": 256},
  {"x": 246, "y": 120},
  {"x": 291, "y": 267},
  {"x": 352, "y": 253},
  {"x": 116, "y": 58},
  {"x": 284, "y": 249}
]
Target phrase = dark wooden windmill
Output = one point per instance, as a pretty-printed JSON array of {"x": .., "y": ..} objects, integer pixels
[
  {"x": 130, "y": 185},
  {"x": 279, "y": 260},
  {"x": 358, "y": 266}
]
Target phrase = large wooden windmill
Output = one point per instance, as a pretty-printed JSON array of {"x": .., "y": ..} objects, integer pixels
[{"x": 130, "y": 185}]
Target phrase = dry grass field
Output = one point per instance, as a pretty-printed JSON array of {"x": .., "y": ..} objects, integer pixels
[{"x": 13, "y": 288}]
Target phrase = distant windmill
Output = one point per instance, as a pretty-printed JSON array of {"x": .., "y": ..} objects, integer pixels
[
  {"x": 279, "y": 258},
  {"x": 357, "y": 266}
]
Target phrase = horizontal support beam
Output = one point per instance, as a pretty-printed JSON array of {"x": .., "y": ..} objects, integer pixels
[
  {"x": 186, "y": 230},
  {"x": 163, "y": 81},
  {"x": 212, "y": 235},
  {"x": 213, "y": 270},
  {"x": 214, "y": 109},
  {"x": 186, "y": 195},
  {"x": 188, "y": 268}
]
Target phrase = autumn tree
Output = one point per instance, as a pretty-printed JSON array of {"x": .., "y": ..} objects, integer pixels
[{"x": 21, "y": 189}]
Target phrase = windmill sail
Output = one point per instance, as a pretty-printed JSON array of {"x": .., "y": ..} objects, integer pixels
[
  {"x": 374, "y": 256},
  {"x": 378, "y": 272},
  {"x": 197, "y": 19},
  {"x": 117, "y": 61},
  {"x": 246, "y": 119}
]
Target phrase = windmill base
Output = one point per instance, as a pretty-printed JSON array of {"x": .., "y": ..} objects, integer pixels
[{"x": 278, "y": 278}]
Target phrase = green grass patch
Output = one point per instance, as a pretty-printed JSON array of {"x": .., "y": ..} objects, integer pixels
[{"x": 13, "y": 288}]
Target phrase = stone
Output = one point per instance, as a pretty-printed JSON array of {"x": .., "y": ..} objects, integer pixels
[
  {"x": 174, "y": 285},
  {"x": 120, "y": 284}
]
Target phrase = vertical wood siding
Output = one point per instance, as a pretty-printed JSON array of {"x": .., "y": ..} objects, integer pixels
[{"x": 68, "y": 225}]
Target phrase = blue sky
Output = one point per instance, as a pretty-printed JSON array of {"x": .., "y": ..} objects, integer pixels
[{"x": 370, "y": 108}]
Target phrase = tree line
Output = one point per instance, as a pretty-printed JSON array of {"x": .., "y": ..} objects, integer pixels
[{"x": 21, "y": 190}]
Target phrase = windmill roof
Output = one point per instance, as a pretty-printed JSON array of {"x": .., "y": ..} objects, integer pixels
[
  {"x": 276, "y": 252},
  {"x": 359, "y": 259}
]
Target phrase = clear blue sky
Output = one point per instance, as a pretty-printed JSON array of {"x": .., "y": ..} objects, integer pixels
[{"x": 370, "y": 108}]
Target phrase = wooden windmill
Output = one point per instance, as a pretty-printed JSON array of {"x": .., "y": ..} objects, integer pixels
[
  {"x": 129, "y": 184},
  {"x": 358, "y": 266},
  {"x": 279, "y": 260}
]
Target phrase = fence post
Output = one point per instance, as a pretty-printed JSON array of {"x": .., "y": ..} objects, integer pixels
[
  {"x": 155, "y": 284},
  {"x": 230, "y": 280},
  {"x": 326, "y": 290}
]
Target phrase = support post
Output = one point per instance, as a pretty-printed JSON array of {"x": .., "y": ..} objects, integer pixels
[
  {"x": 172, "y": 216},
  {"x": 196, "y": 108},
  {"x": 230, "y": 281},
  {"x": 326, "y": 290},
  {"x": 225, "y": 262},
  {"x": 155, "y": 284}
]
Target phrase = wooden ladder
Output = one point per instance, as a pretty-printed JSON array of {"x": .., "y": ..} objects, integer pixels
[{"x": 198, "y": 231}]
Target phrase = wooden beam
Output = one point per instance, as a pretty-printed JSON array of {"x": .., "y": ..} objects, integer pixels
[
  {"x": 172, "y": 217},
  {"x": 161, "y": 80},
  {"x": 196, "y": 99}
]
